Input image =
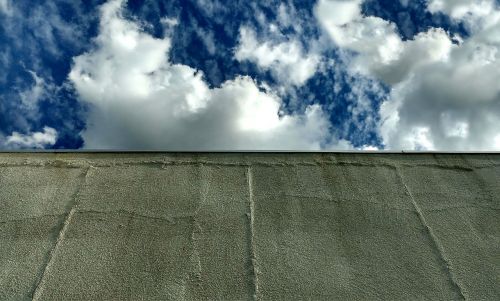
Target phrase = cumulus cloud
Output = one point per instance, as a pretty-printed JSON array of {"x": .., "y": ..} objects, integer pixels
[
  {"x": 444, "y": 96},
  {"x": 454, "y": 103},
  {"x": 139, "y": 100},
  {"x": 286, "y": 60},
  {"x": 378, "y": 47},
  {"x": 373, "y": 38},
  {"x": 457, "y": 101},
  {"x": 460, "y": 9},
  {"x": 476, "y": 15},
  {"x": 31, "y": 140}
]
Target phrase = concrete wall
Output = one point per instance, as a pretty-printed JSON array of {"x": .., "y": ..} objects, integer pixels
[{"x": 166, "y": 226}]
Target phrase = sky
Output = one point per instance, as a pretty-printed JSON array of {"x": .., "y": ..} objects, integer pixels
[{"x": 207, "y": 75}]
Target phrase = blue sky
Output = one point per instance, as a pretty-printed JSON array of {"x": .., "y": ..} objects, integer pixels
[{"x": 250, "y": 75}]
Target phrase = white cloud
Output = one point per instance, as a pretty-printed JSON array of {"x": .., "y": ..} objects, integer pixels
[
  {"x": 25, "y": 101},
  {"x": 6, "y": 7},
  {"x": 369, "y": 148},
  {"x": 30, "y": 97},
  {"x": 497, "y": 141},
  {"x": 378, "y": 47},
  {"x": 457, "y": 98},
  {"x": 459, "y": 9},
  {"x": 169, "y": 21},
  {"x": 139, "y": 100},
  {"x": 47, "y": 28},
  {"x": 286, "y": 60},
  {"x": 477, "y": 15},
  {"x": 334, "y": 13},
  {"x": 373, "y": 38},
  {"x": 32, "y": 140},
  {"x": 443, "y": 96},
  {"x": 285, "y": 18},
  {"x": 425, "y": 49}
]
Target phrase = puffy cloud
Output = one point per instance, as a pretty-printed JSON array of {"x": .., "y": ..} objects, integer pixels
[
  {"x": 286, "y": 59},
  {"x": 31, "y": 140},
  {"x": 477, "y": 15},
  {"x": 139, "y": 100},
  {"x": 378, "y": 47},
  {"x": 454, "y": 103},
  {"x": 444, "y": 96},
  {"x": 456, "y": 100},
  {"x": 426, "y": 48},
  {"x": 335, "y": 13},
  {"x": 373, "y": 38},
  {"x": 460, "y": 9}
]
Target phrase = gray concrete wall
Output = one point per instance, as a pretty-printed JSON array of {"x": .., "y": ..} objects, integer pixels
[{"x": 167, "y": 226}]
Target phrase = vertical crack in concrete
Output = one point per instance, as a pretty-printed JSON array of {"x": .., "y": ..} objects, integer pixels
[
  {"x": 251, "y": 218},
  {"x": 197, "y": 229},
  {"x": 39, "y": 287},
  {"x": 437, "y": 244}
]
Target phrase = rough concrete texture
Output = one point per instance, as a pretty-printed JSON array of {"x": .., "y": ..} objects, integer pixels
[{"x": 243, "y": 226}]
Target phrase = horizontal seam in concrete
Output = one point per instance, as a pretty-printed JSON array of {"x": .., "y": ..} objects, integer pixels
[
  {"x": 402, "y": 164},
  {"x": 40, "y": 165},
  {"x": 27, "y": 218},
  {"x": 437, "y": 244},
  {"x": 343, "y": 201},
  {"x": 131, "y": 214},
  {"x": 38, "y": 290},
  {"x": 165, "y": 164},
  {"x": 462, "y": 207}
]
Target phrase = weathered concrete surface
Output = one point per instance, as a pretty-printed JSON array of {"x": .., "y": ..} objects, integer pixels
[{"x": 172, "y": 226}]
